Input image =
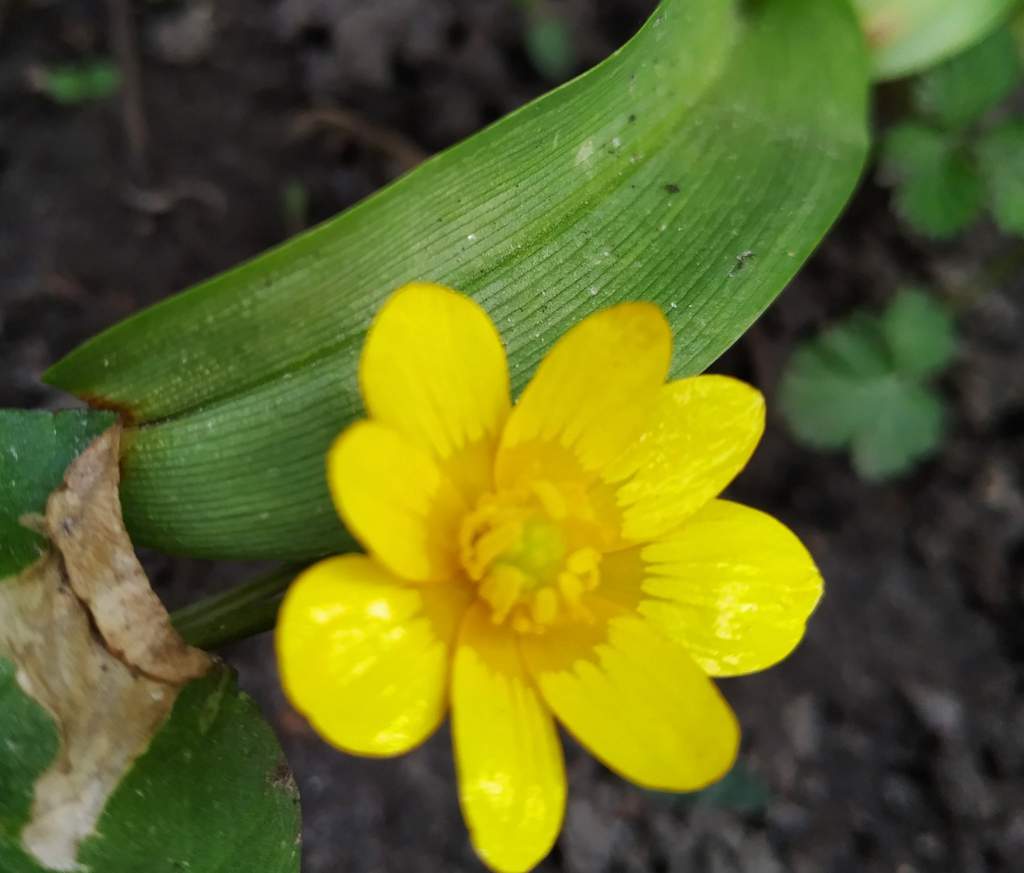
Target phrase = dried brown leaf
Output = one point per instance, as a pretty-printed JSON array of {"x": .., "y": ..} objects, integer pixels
[{"x": 94, "y": 646}]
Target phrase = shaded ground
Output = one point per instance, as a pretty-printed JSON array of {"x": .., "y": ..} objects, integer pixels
[{"x": 892, "y": 741}]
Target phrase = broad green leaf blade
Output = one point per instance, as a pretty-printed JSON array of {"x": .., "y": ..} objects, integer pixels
[
  {"x": 967, "y": 86},
  {"x": 677, "y": 171},
  {"x": 908, "y": 36},
  {"x": 1001, "y": 154},
  {"x": 920, "y": 334},
  {"x": 35, "y": 449},
  {"x": 210, "y": 794}
]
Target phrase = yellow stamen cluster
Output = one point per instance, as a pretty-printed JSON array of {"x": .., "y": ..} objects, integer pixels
[{"x": 518, "y": 548}]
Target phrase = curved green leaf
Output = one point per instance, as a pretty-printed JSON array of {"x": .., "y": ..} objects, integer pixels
[
  {"x": 908, "y": 36},
  {"x": 697, "y": 167},
  {"x": 35, "y": 449}
]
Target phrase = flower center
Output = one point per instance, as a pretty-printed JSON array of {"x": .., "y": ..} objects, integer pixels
[{"x": 529, "y": 567}]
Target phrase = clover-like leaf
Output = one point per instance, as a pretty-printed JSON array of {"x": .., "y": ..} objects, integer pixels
[
  {"x": 965, "y": 87},
  {"x": 1001, "y": 155},
  {"x": 822, "y": 395},
  {"x": 938, "y": 191},
  {"x": 860, "y": 385}
]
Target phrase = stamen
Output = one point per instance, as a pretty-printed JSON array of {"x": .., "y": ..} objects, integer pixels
[
  {"x": 501, "y": 588},
  {"x": 514, "y": 544},
  {"x": 544, "y": 608},
  {"x": 551, "y": 499}
]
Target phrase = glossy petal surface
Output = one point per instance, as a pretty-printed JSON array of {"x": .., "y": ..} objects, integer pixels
[
  {"x": 434, "y": 369},
  {"x": 593, "y": 394},
  {"x": 703, "y": 432},
  {"x": 509, "y": 758},
  {"x": 733, "y": 585},
  {"x": 637, "y": 700},
  {"x": 366, "y": 658},
  {"x": 396, "y": 501}
]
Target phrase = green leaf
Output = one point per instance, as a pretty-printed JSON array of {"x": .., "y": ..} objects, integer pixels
[
  {"x": 210, "y": 794},
  {"x": 549, "y": 45},
  {"x": 859, "y": 385},
  {"x": 908, "y": 425},
  {"x": 821, "y": 394},
  {"x": 920, "y": 333},
  {"x": 742, "y": 790},
  {"x": 938, "y": 191},
  {"x": 966, "y": 87},
  {"x": 677, "y": 171},
  {"x": 35, "y": 449},
  {"x": 1001, "y": 154},
  {"x": 80, "y": 83},
  {"x": 29, "y": 744},
  {"x": 912, "y": 147},
  {"x": 908, "y": 36}
]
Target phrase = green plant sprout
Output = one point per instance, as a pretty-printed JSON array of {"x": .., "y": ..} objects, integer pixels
[
  {"x": 957, "y": 157},
  {"x": 74, "y": 84},
  {"x": 548, "y": 40},
  {"x": 864, "y": 385}
]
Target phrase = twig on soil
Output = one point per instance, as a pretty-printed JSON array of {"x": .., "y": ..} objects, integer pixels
[
  {"x": 384, "y": 139},
  {"x": 160, "y": 201},
  {"x": 126, "y": 48}
]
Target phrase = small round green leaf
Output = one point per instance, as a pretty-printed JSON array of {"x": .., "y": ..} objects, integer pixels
[
  {"x": 967, "y": 86},
  {"x": 920, "y": 333},
  {"x": 1001, "y": 154}
]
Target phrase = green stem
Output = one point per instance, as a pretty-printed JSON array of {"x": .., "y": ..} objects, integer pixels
[{"x": 242, "y": 612}]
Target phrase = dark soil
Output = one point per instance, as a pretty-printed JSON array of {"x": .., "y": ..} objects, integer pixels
[{"x": 893, "y": 740}]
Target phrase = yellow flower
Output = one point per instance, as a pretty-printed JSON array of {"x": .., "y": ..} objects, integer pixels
[{"x": 565, "y": 558}]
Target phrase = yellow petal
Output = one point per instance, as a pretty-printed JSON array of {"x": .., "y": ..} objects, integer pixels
[
  {"x": 702, "y": 434},
  {"x": 635, "y": 699},
  {"x": 434, "y": 369},
  {"x": 364, "y": 657},
  {"x": 509, "y": 758},
  {"x": 733, "y": 585},
  {"x": 593, "y": 394},
  {"x": 396, "y": 501}
]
